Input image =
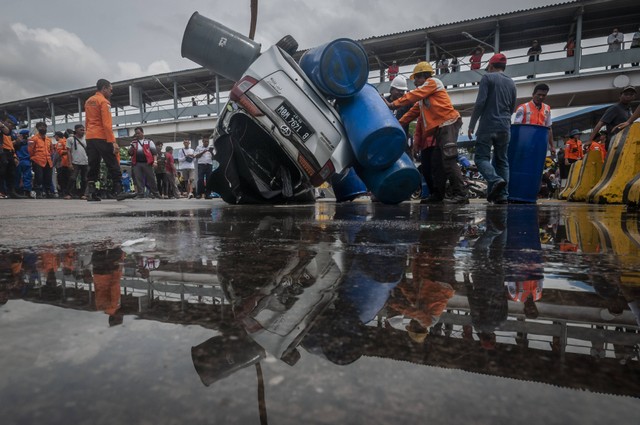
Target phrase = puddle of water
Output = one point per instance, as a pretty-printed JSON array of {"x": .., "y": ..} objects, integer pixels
[{"x": 329, "y": 312}]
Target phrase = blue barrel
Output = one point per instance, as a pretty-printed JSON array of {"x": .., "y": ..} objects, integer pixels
[
  {"x": 347, "y": 186},
  {"x": 339, "y": 68},
  {"x": 375, "y": 134},
  {"x": 527, "y": 153},
  {"x": 394, "y": 184}
]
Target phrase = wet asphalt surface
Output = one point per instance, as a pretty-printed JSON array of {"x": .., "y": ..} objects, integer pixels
[{"x": 194, "y": 311}]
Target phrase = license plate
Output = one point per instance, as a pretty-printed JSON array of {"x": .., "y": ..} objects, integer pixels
[{"x": 294, "y": 121}]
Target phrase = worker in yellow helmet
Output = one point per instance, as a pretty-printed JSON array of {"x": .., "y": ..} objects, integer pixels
[{"x": 431, "y": 104}]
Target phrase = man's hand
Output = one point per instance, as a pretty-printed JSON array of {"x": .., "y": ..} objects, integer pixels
[
  {"x": 389, "y": 104},
  {"x": 115, "y": 148},
  {"x": 470, "y": 134},
  {"x": 621, "y": 126}
]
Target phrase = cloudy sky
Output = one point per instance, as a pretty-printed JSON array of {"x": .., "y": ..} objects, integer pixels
[{"x": 52, "y": 46}]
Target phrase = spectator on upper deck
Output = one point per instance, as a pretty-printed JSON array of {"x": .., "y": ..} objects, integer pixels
[
  {"x": 615, "y": 42},
  {"x": 534, "y": 53}
]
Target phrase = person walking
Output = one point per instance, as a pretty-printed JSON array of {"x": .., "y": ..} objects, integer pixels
[
  {"x": 495, "y": 102},
  {"x": 101, "y": 143},
  {"x": 160, "y": 170},
  {"x": 77, "y": 150},
  {"x": 432, "y": 104},
  {"x": 537, "y": 112}
]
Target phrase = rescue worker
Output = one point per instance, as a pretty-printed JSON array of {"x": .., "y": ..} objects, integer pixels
[
  {"x": 24, "y": 173},
  {"x": 596, "y": 145},
  {"x": 101, "y": 143},
  {"x": 40, "y": 148},
  {"x": 537, "y": 112},
  {"x": 573, "y": 148},
  {"x": 64, "y": 166},
  {"x": 431, "y": 103},
  {"x": 8, "y": 160}
]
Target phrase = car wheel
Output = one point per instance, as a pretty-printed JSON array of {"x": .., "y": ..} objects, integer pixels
[{"x": 288, "y": 44}]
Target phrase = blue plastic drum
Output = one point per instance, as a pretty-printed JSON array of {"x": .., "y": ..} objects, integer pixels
[
  {"x": 375, "y": 134},
  {"x": 347, "y": 186},
  {"x": 339, "y": 68},
  {"x": 394, "y": 184},
  {"x": 527, "y": 153}
]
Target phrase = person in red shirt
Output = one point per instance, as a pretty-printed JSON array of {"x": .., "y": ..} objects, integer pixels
[{"x": 393, "y": 70}]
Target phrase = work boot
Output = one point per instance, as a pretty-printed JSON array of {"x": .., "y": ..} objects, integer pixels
[
  {"x": 15, "y": 195},
  {"x": 120, "y": 195},
  {"x": 93, "y": 194}
]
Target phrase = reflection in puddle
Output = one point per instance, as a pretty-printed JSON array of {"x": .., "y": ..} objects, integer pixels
[{"x": 532, "y": 293}]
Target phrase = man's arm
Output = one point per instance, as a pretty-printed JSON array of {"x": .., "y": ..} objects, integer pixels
[
  {"x": 596, "y": 129},
  {"x": 480, "y": 104},
  {"x": 519, "y": 115},
  {"x": 411, "y": 115},
  {"x": 416, "y": 95}
]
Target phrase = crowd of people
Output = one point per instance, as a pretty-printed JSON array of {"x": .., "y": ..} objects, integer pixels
[{"x": 84, "y": 162}]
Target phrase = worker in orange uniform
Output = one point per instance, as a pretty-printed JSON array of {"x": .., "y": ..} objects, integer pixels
[
  {"x": 573, "y": 148},
  {"x": 101, "y": 143},
  {"x": 63, "y": 168},
  {"x": 40, "y": 152},
  {"x": 431, "y": 103},
  {"x": 537, "y": 112},
  {"x": 8, "y": 159},
  {"x": 596, "y": 145},
  {"x": 107, "y": 273}
]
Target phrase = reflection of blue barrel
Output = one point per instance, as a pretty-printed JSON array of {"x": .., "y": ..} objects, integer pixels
[
  {"x": 375, "y": 134},
  {"x": 339, "y": 68},
  {"x": 523, "y": 247},
  {"x": 347, "y": 186},
  {"x": 366, "y": 293},
  {"x": 394, "y": 184},
  {"x": 527, "y": 153}
]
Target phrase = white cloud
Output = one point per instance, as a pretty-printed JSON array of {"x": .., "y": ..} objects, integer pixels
[{"x": 127, "y": 70}]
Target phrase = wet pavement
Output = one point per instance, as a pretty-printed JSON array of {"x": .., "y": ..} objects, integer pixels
[{"x": 180, "y": 312}]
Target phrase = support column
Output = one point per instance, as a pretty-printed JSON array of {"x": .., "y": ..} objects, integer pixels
[
  {"x": 175, "y": 99},
  {"x": 578, "y": 50},
  {"x": 29, "y": 118},
  {"x": 428, "y": 47},
  {"x": 53, "y": 115},
  {"x": 217, "y": 96},
  {"x": 496, "y": 38},
  {"x": 80, "y": 110}
]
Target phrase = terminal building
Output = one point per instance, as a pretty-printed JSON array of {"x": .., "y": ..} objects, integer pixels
[{"x": 184, "y": 104}]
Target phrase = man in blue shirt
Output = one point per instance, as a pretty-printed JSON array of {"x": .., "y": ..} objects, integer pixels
[{"x": 494, "y": 105}]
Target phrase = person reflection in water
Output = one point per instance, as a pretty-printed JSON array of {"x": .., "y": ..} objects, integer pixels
[
  {"x": 485, "y": 290},
  {"x": 107, "y": 273}
]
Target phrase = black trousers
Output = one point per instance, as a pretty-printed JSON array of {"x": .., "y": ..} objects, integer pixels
[
  {"x": 43, "y": 179},
  {"x": 204, "y": 171},
  {"x": 98, "y": 149},
  {"x": 7, "y": 171}
]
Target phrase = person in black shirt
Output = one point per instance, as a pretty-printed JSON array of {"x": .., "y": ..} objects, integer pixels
[{"x": 616, "y": 114}]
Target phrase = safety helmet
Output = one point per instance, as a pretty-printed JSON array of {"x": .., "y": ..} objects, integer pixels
[
  {"x": 400, "y": 83},
  {"x": 421, "y": 67},
  {"x": 574, "y": 132}
]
